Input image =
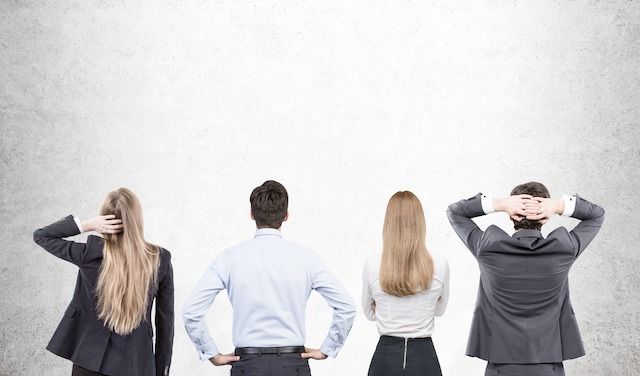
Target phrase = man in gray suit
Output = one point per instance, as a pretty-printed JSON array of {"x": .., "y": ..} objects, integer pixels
[{"x": 523, "y": 322}]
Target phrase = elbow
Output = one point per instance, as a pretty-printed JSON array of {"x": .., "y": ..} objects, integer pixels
[
  {"x": 451, "y": 212},
  {"x": 191, "y": 316},
  {"x": 349, "y": 311},
  {"x": 188, "y": 317},
  {"x": 38, "y": 236},
  {"x": 350, "y": 306},
  {"x": 369, "y": 310}
]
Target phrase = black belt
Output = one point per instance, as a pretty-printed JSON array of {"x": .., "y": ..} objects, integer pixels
[{"x": 269, "y": 350}]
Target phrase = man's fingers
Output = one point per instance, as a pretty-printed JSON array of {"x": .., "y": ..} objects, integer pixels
[
  {"x": 536, "y": 217},
  {"x": 517, "y": 218},
  {"x": 113, "y": 221},
  {"x": 223, "y": 359},
  {"x": 108, "y": 216},
  {"x": 306, "y": 355}
]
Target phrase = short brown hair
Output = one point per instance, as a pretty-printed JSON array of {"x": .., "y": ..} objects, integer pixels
[
  {"x": 534, "y": 189},
  {"x": 269, "y": 204}
]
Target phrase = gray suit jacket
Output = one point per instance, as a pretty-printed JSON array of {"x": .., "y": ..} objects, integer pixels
[{"x": 523, "y": 313}]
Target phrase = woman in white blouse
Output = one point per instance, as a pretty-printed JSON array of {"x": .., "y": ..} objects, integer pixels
[{"x": 403, "y": 290}]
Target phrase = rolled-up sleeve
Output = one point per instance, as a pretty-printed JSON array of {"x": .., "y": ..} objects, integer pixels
[{"x": 344, "y": 310}]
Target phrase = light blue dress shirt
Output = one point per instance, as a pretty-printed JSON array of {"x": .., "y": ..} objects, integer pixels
[{"x": 268, "y": 280}]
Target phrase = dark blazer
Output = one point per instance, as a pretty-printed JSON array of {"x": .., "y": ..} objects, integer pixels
[
  {"x": 82, "y": 337},
  {"x": 523, "y": 313}
]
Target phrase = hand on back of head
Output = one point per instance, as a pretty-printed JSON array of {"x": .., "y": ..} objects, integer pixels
[{"x": 104, "y": 224}]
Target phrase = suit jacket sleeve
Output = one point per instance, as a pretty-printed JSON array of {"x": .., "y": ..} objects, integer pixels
[
  {"x": 591, "y": 218},
  {"x": 164, "y": 321},
  {"x": 460, "y": 214},
  {"x": 51, "y": 238}
]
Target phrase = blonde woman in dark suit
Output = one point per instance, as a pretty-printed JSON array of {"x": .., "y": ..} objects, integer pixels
[{"x": 106, "y": 329}]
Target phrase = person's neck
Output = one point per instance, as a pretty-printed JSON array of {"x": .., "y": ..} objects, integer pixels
[{"x": 528, "y": 229}]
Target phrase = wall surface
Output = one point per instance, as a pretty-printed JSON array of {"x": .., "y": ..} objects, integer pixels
[{"x": 193, "y": 103}]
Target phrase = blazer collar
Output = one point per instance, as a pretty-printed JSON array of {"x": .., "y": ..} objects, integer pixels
[
  {"x": 526, "y": 233},
  {"x": 268, "y": 232}
]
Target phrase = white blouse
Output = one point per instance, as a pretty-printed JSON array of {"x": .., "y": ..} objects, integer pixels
[{"x": 408, "y": 316}]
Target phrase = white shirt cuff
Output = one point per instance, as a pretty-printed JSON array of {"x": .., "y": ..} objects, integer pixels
[
  {"x": 569, "y": 205},
  {"x": 329, "y": 348},
  {"x": 207, "y": 351},
  {"x": 487, "y": 204},
  {"x": 78, "y": 223}
]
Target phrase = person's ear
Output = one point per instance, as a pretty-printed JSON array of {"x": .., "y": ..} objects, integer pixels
[{"x": 286, "y": 216}]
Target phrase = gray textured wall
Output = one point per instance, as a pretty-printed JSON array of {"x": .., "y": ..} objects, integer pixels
[{"x": 193, "y": 103}]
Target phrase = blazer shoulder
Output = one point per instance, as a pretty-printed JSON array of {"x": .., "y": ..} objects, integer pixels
[
  {"x": 93, "y": 251},
  {"x": 164, "y": 253},
  {"x": 495, "y": 228},
  {"x": 561, "y": 234},
  {"x": 493, "y": 232}
]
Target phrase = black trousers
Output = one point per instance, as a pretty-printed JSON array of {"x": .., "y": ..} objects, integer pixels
[
  {"x": 271, "y": 365},
  {"x": 543, "y": 369},
  {"x": 79, "y": 371},
  {"x": 406, "y": 357}
]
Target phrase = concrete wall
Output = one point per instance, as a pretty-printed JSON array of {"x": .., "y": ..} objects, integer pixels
[{"x": 193, "y": 103}]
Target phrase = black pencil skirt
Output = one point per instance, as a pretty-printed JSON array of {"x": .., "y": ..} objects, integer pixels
[{"x": 404, "y": 357}]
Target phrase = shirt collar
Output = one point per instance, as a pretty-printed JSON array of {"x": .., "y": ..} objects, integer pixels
[
  {"x": 268, "y": 231},
  {"x": 527, "y": 233}
]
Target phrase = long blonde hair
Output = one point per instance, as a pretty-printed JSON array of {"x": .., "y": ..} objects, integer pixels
[
  {"x": 129, "y": 266},
  {"x": 407, "y": 266}
]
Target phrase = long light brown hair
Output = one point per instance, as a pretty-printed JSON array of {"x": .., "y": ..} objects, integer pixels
[
  {"x": 407, "y": 266},
  {"x": 129, "y": 266}
]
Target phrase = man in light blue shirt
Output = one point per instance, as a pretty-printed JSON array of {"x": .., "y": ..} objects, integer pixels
[{"x": 268, "y": 280}]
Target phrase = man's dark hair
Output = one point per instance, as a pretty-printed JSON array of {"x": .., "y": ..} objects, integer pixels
[
  {"x": 269, "y": 204},
  {"x": 534, "y": 189}
]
